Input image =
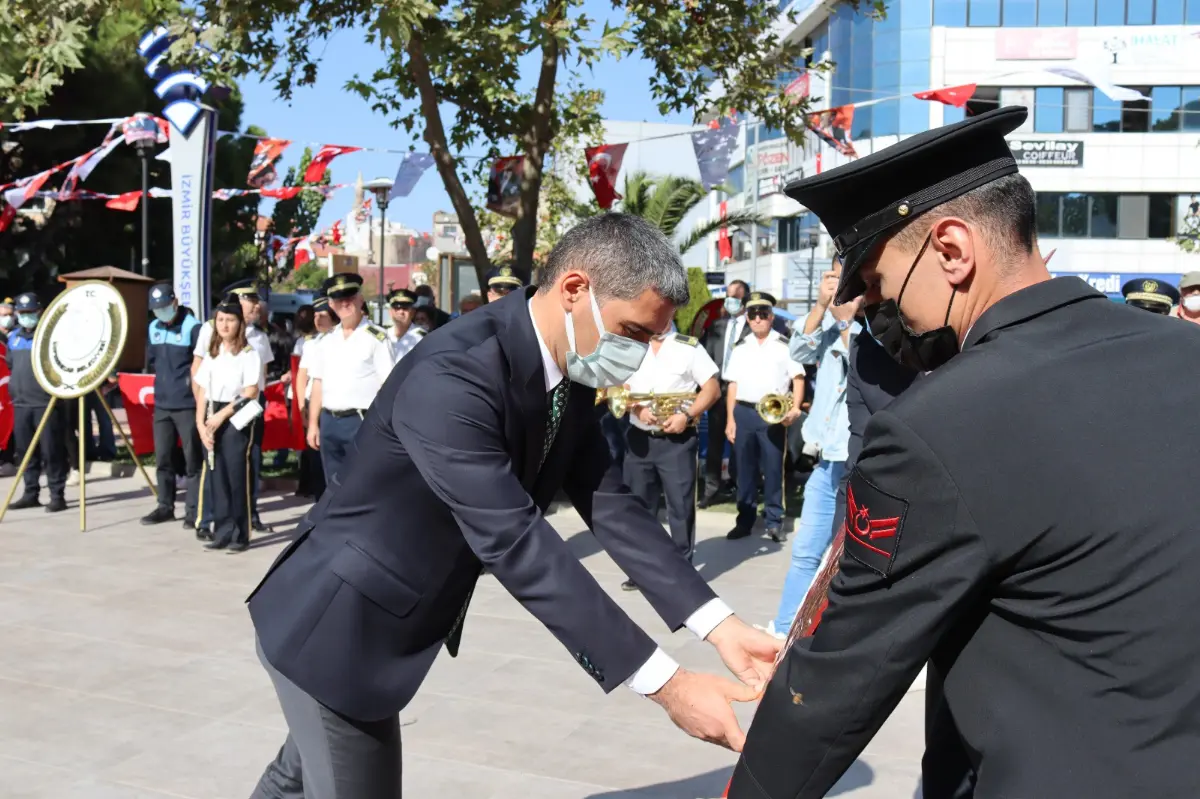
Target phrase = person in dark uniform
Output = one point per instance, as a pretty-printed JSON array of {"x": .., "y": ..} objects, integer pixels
[
  {"x": 226, "y": 383},
  {"x": 998, "y": 519},
  {"x": 718, "y": 341},
  {"x": 29, "y": 402},
  {"x": 172, "y": 339},
  {"x": 1150, "y": 295},
  {"x": 502, "y": 281},
  {"x": 312, "y": 473}
]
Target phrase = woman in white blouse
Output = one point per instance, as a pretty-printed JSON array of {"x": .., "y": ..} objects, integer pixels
[{"x": 227, "y": 382}]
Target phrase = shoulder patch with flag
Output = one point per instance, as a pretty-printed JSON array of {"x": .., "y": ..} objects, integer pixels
[{"x": 874, "y": 523}]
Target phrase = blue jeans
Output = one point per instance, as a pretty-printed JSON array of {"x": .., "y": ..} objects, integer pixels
[{"x": 813, "y": 536}]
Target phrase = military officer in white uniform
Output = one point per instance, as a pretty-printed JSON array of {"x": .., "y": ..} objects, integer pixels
[
  {"x": 661, "y": 451},
  {"x": 402, "y": 335},
  {"x": 347, "y": 370}
]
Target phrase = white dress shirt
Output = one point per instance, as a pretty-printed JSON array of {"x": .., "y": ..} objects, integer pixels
[
  {"x": 351, "y": 368},
  {"x": 732, "y": 331},
  {"x": 402, "y": 345},
  {"x": 225, "y": 377},
  {"x": 661, "y": 667},
  {"x": 257, "y": 340},
  {"x": 677, "y": 367},
  {"x": 762, "y": 366}
]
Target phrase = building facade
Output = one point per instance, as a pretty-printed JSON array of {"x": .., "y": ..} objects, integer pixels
[{"x": 1117, "y": 182}]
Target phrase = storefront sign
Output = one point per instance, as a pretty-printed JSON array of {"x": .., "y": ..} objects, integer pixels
[
  {"x": 1110, "y": 282},
  {"x": 1046, "y": 152},
  {"x": 1031, "y": 44}
]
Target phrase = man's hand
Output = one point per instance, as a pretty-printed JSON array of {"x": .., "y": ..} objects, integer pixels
[
  {"x": 314, "y": 436},
  {"x": 702, "y": 706},
  {"x": 731, "y": 431},
  {"x": 790, "y": 417},
  {"x": 749, "y": 653},
  {"x": 646, "y": 416},
  {"x": 829, "y": 282},
  {"x": 847, "y": 310},
  {"x": 676, "y": 423}
]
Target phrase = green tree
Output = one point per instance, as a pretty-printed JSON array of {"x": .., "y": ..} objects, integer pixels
[
  {"x": 665, "y": 200},
  {"x": 699, "y": 297},
  {"x": 40, "y": 41},
  {"x": 469, "y": 55},
  {"x": 298, "y": 216}
]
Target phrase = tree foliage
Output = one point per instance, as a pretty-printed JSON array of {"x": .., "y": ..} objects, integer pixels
[
  {"x": 665, "y": 201},
  {"x": 298, "y": 216},
  {"x": 470, "y": 55},
  {"x": 40, "y": 41}
]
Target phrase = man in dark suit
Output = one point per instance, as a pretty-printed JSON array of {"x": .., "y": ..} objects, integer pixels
[
  {"x": 466, "y": 444},
  {"x": 718, "y": 341},
  {"x": 998, "y": 523}
]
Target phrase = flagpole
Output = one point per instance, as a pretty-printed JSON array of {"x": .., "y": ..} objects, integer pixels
[{"x": 754, "y": 224}]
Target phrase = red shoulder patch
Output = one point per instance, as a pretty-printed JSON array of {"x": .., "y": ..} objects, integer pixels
[{"x": 874, "y": 522}]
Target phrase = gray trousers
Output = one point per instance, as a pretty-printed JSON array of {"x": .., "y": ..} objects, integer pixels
[{"x": 327, "y": 755}]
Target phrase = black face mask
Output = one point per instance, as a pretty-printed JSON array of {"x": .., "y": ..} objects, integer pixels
[{"x": 921, "y": 351}]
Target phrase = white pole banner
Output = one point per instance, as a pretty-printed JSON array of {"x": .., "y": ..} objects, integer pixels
[{"x": 192, "y": 158}]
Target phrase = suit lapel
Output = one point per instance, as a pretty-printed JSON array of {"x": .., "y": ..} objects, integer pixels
[{"x": 520, "y": 345}]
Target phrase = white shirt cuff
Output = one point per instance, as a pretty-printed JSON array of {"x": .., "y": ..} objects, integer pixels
[
  {"x": 707, "y": 617},
  {"x": 653, "y": 674}
]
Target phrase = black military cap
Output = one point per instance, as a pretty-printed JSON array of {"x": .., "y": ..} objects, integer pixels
[
  {"x": 161, "y": 295},
  {"x": 1150, "y": 294},
  {"x": 320, "y": 302},
  {"x": 26, "y": 302},
  {"x": 504, "y": 277},
  {"x": 760, "y": 298},
  {"x": 859, "y": 202},
  {"x": 401, "y": 298},
  {"x": 231, "y": 303},
  {"x": 342, "y": 285},
  {"x": 247, "y": 288}
]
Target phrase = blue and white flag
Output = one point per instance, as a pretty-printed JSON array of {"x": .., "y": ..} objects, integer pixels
[{"x": 410, "y": 171}]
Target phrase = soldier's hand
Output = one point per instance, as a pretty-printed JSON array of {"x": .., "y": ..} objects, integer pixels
[
  {"x": 646, "y": 416},
  {"x": 702, "y": 706},
  {"x": 829, "y": 281},
  {"x": 675, "y": 424}
]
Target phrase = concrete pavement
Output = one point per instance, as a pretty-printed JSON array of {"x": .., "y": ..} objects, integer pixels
[{"x": 127, "y": 671}]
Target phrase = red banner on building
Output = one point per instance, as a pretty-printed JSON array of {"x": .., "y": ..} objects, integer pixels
[{"x": 7, "y": 415}]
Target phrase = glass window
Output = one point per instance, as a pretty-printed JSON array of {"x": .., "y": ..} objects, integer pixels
[
  {"x": 1104, "y": 216},
  {"x": 1106, "y": 114},
  {"x": 1162, "y": 215},
  {"x": 984, "y": 13},
  {"x": 1048, "y": 110},
  {"x": 1135, "y": 116},
  {"x": 1078, "y": 107},
  {"x": 951, "y": 13},
  {"x": 860, "y": 128},
  {"x": 1164, "y": 108},
  {"x": 914, "y": 76},
  {"x": 1110, "y": 12},
  {"x": 914, "y": 115},
  {"x": 1047, "y": 214},
  {"x": 1190, "y": 101},
  {"x": 737, "y": 178},
  {"x": 1023, "y": 97},
  {"x": 887, "y": 46},
  {"x": 985, "y": 99},
  {"x": 915, "y": 14},
  {"x": 1074, "y": 215},
  {"x": 1193, "y": 12},
  {"x": 1132, "y": 216},
  {"x": 886, "y": 119},
  {"x": 1168, "y": 12},
  {"x": 1139, "y": 13},
  {"x": 1081, "y": 13},
  {"x": 950, "y": 115},
  {"x": 1020, "y": 13},
  {"x": 766, "y": 134},
  {"x": 914, "y": 44},
  {"x": 1052, "y": 13}
]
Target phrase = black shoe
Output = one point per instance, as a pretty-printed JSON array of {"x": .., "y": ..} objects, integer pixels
[
  {"x": 737, "y": 532},
  {"x": 216, "y": 545},
  {"x": 57, "y": 505},
  {"x": 237, "y": 547},
  {"x": 776, "y": 534},
  {"x": 159, "y": 515},
  {"x": 204, "y": 534},
  {"x": 257, "y": 526},
  {"x": 629, "y": 585},
  {"x": 188, "y": 524},
  {"x": 707, "y": 502},
  {"x": 26, "y": 501}
]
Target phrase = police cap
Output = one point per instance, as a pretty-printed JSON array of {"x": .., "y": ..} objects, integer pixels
[
  {"x": 27, "y": 302},
  {"x": 243, "y": 289},
  {"x": 230, "y": 304},
  {"x": 342, "y": 285},
  {"x": 859, "y": 203},
  {"x": 504, "y": 277},
  {"x": 401, "y": 298},
  {"x": 320, "y": 302},
  {"x": 760, "y": 298},
  {"x": 1150, "y": 294},
  {"x": 161, "y": 295}
]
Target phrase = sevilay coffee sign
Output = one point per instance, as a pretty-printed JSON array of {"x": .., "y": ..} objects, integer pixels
[{"x": 1046, "y": 152}]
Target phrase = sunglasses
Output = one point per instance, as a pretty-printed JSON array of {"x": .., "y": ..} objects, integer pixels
[{"x": 758, "y": 313}]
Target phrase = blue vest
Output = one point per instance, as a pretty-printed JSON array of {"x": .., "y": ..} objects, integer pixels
[{"x": 170, "y": 350}]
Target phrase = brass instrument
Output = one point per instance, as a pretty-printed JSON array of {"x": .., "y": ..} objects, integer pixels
[
  {"x": 661, "y": 405},
  {"x": 773, "y": 407}
]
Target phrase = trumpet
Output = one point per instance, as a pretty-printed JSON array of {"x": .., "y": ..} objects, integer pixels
[
  {"x": 661, "y": 405},
  {"x": 773, "y": 407}
]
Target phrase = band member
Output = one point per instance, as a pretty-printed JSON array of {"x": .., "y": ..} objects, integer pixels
[
  {"x": 402, "y": 335},
  {"x": 501, "y": 281},
  {"x": 998, "y": 520},
  {"x": 348, "y": 367},
  {"x": 226, "y": 383},
  {"x": 29, "y": 402},
  {"x": 760, "y": 364},
  {"x": 173, "y": 336},
  {"x": 662, "y": 450},
  {"x": 1150, "y": 295},
  {"x": 312, "y": 473}
]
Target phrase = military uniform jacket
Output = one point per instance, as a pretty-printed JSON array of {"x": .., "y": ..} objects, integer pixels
[
  {"x": 1015, "y": 517},
  {"x": 444, "y": 476}
]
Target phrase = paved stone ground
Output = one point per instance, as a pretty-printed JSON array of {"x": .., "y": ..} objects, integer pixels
[{"x": 127, "y": 671}]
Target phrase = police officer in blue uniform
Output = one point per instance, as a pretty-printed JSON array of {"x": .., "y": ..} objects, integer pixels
[
  {"x": 30, "y": 401},
  {"x": 173, "y": 336}
]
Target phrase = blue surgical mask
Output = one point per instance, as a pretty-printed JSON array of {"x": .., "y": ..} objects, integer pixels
[
  {"x": 613, "y": 361},
  {"x": 7, "y": 321},
  {"x": 733, "y": 306},
  {"x": 164, "y": 315},
  {"x": 28, "y": 320}
]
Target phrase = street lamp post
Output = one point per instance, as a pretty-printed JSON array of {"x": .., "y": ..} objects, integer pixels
[
  {"x": 144, "y": 148},
  {"x": 381, "y": 188}
]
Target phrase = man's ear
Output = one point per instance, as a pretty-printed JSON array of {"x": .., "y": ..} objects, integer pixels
[{"x": 954, "y": 243}]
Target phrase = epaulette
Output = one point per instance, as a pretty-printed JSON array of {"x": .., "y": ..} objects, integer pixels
[
  {"x": 691, "y": 341},
  {"x": 309, "y": 336},
  {"x": 247, "y": 348},
  {"x": 420, "y": 331},
  {"x": 377, "y": 332}
]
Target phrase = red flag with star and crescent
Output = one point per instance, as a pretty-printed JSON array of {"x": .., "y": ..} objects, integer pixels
[
  {"x": 604, "y": 163},
  {"x": 6, "y": 408},
  {"x": 320, "y": 162}
]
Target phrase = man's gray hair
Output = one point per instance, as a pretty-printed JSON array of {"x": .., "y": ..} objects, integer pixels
[{"x": 623, "y": 255}]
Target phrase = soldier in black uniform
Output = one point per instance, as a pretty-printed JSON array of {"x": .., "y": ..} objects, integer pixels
[
  {"x": 999, "y": 520},
  {"x": 30, "y": 401},
  {"x": 1150, "y": 295}
]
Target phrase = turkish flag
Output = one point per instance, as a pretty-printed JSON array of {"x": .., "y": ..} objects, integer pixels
[
  {"x": 137, "y": 395},
  {"x": 6, "y": 408},
  {"x": 724, "y": 242},
  {"x": 604, "y": 162},
  {"x": 125, "y": 202},
  {"x": 320, "y": 162},
  {"x": 283, "y": 193},
  {"x": 277, "y": 429},
  {"x": 956, "y": 96}
]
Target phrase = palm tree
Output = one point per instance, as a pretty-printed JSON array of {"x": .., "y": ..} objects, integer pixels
[{"x": 664, "y": 201}]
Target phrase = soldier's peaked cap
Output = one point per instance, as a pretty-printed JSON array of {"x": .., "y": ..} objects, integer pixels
[{"x": 861, "y": 202}]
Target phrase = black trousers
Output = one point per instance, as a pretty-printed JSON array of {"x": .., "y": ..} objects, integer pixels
[
  {"x": 717, "y": 419},
  {"x": 51, "y": 454},
  {"x": 230, "y": 483},
  {"x": 256, "y": 464},
  {"x": 170, "y": 425},
  {"x": 312, "y": 475},
  {"x": 666, "y": 465},
  {"x": 759, "y": 447}
]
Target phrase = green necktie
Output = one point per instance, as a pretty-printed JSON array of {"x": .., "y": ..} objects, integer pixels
[{"x": 558, "y": 405}]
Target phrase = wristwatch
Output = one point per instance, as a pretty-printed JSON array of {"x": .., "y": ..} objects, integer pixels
[{"x": 843, "y": 325}]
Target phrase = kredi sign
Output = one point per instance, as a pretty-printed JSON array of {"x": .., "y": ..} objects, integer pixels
[{"x": 1046, "y": 152}]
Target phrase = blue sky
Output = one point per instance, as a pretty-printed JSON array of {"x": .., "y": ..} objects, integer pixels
[{"x": 327, "y": 114}]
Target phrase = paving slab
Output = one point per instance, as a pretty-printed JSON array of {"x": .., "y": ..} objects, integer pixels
[{"x": 127, "y": 671}]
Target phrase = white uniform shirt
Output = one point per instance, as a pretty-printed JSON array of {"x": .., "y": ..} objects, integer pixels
[
  {"x": 254, "y": 337},
  {"x": 225, "y": 377},
  {"x": 762, "y": 367},
  {"x": 680, "y": 365},
  {"x": 306, "y": 359},
  {"x": 402, "y": 345},
  {"x": 351, "y": 368}
]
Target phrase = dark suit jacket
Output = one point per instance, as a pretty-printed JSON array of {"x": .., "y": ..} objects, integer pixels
[{"x": 442, "y": 479}]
